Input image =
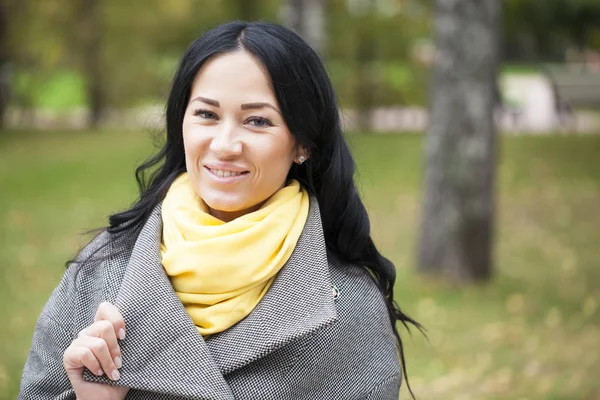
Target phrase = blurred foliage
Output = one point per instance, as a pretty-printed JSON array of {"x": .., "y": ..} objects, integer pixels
[
  {"x": 373, "y": 62},
  {"x": 64, "y": 91},
  {"x": 141, "y": 42},
  {"x": 542, "y": 30},
  {"x": 393, "y": 83},
  {"x": 377, "y": 51}
]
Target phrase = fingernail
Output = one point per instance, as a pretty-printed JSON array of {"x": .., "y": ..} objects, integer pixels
[
  {"x": 121, "y": 334},
  {"x": 100, "y": 372},
  {"x": 115, "y": 375},
  {"x": 118, "y": 362}
]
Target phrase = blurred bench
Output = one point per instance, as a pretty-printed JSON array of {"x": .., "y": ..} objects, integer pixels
[{"x": 575, "y": 86}]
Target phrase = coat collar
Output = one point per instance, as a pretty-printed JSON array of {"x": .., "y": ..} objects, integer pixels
[
  {"x": 298, "y": 302},
  {"x": 164, "y": 352}
]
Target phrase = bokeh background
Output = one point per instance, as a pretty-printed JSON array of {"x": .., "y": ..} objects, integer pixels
[{"x": 83, "y": 85}]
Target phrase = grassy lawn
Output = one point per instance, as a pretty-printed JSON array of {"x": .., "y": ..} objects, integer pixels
[{"x": 532, "y": 333}]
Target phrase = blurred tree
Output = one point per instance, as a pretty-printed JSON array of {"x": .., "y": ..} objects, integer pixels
[
  {"x": 30, "y": 51},
  {"x": 372, "y": 52},
  {"x": 91, "y": 31},
  {"x": 4, "y": 62},
  {"x": 456, "y": 231},
  {"x": 364, "y": 57},
  {"x": 11, "y": 16},
  {"x": 306, "y": 17}
]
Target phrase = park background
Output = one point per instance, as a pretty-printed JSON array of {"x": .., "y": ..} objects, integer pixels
[{"x": 82, "y": 90}]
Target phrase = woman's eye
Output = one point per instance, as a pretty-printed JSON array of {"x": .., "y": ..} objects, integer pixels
[
  {"x": 205, "y": 114},
  {"x": 259, "y": 122}
]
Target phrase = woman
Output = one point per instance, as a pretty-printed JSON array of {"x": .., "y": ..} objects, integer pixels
[{"x": 246, "y": 268}]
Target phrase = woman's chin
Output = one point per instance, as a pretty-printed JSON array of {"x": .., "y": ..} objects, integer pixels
[
  {"x": 222, "y": 205},
  {"x": 228, "y": 210}
]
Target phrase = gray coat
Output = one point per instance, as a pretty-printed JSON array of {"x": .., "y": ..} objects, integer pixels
[{"x": 320, "y": 332}]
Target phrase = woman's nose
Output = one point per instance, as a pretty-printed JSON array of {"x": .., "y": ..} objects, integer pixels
[{"x": 226, "y": 141}]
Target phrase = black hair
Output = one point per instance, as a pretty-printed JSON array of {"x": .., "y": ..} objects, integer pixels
[{"x": 309, "y": 106}]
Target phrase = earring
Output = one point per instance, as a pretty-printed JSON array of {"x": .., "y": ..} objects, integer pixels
[{"x": 301, "y": 159}]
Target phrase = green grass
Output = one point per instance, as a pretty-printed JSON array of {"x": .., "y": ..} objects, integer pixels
[{"x": 531, "y": 333}]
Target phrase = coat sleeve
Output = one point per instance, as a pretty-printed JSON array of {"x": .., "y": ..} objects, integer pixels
[{"x": 44, "y": 377}]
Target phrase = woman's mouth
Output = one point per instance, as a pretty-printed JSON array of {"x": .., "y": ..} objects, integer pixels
[{"x": 226, "y": 175}]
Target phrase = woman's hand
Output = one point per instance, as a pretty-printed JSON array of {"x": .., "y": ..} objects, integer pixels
[{"x": 97, "y": 349}]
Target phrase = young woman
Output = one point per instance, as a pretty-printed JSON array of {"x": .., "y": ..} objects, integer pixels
[{"x": 246, "y": 268}]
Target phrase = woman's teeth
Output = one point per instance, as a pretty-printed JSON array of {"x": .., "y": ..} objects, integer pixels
[{"x": 222, "y": 173}]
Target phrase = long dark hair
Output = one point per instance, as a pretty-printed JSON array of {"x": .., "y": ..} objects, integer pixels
[{"x": 310, "y": 109}]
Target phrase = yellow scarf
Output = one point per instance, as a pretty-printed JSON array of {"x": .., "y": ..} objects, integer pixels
[{"x": 220, "y": 271}]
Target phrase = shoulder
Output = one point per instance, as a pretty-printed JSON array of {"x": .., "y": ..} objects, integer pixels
[
  {"x": 79, "y": 287},
  {"x": 356, "y": 285},
  {"x": 360, "y": 344},
  {"x": 363, "y": 313},
  {"x": 95, "y": 246}
]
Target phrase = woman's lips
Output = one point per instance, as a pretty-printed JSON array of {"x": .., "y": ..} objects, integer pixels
[{"x": 225, "y": 175}]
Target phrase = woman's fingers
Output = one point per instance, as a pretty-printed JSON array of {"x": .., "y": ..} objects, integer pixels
[
  {"x": 101, "y": 352},
  {"x": 97, "y": 347},
  {"x": 76, "y": 357},
  {"x": 105, "y": 330},
  {"x": 108, "y": 312},
  {"x": 92, "y": 353}
]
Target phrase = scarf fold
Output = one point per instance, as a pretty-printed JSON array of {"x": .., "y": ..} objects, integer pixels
[{"x": 220, "y": 271}]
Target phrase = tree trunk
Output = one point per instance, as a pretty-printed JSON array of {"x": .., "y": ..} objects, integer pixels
[
  {"x": 365, "y": 88},
  {"x": 457, "y": 226},
  {"x": 306, "y": 17},
  {"x": 92, "y": 61}
]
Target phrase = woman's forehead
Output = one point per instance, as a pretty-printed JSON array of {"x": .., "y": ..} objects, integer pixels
[{"x": 237, "y": 74}]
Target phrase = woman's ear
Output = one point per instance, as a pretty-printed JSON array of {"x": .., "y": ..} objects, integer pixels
[{"x": 302, "y": 155}]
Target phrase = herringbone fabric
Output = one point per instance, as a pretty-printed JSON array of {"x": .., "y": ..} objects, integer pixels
[{"x": 300, "y": 342}]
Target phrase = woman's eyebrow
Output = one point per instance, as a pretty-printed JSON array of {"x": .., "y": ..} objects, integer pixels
[
  {"x": 252, "y": 106},
  {"x": 206, "y": 100},
  {"x": 247, "y": 106}
]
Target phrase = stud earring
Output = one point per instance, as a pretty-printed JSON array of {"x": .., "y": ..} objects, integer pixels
[{"x": 301, "y": 159}]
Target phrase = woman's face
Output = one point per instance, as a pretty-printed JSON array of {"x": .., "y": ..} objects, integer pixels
[{"x": 238, "y": 150}]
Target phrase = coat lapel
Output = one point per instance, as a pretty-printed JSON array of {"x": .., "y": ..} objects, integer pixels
[
  {"x": 163, "y": 351},
  {"x": 298, "y": 302}
]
